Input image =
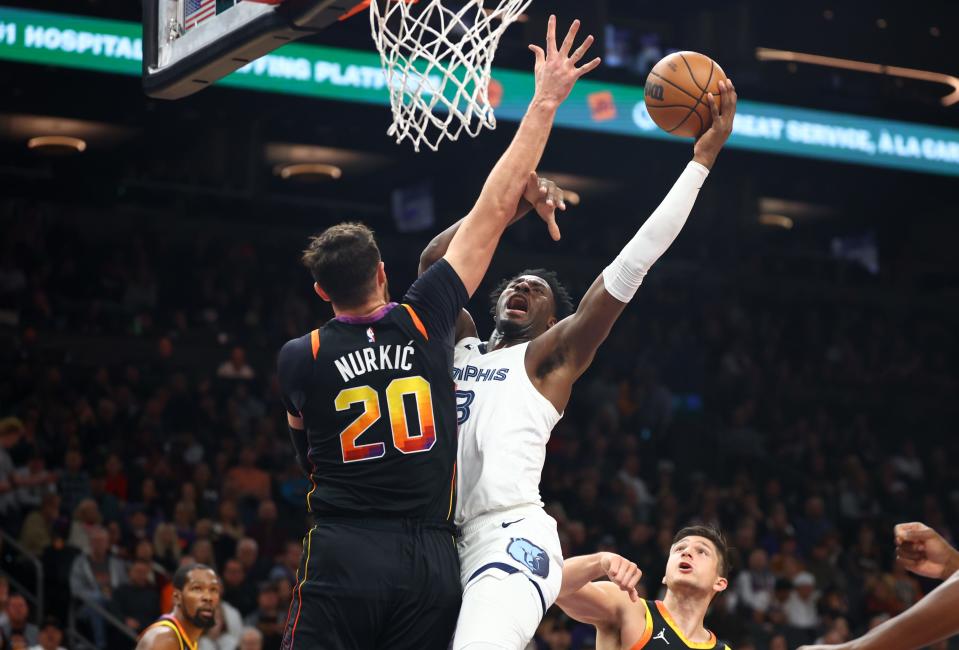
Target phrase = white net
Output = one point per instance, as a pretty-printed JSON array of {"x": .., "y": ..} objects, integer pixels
[{"x": 437, "y": 60}]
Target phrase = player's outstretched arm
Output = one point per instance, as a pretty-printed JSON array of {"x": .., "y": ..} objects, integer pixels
[
  {"x": 579, "y": 336},
  {"x": 541, "y": 194},
  {"x": 472, "y": 246},
  {"x": 598, "y": 603},
  {"x": 930, "y": 620}
]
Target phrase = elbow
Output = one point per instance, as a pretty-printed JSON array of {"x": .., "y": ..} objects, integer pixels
[{"x": 429, "y": 256}]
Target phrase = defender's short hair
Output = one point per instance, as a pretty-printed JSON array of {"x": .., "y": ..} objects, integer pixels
[{"x": 343, "y": 260}]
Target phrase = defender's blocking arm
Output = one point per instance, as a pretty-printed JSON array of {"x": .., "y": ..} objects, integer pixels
[{"x": 474, "y": 242}]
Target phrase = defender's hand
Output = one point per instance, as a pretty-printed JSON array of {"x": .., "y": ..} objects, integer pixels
[
  {"x": 622, "y": 573},
  {"x": 545, "y": 196},
  {"x": 922, "y": 550},
  {"x": 556, "y": 72},
  {"x": 709, "y": 144}
]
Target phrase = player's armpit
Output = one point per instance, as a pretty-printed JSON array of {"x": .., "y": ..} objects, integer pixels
[
  {"x": 465, "y": 327},
  {"x": 595, "y": 603},
  {"x": 571, "y": 344}
]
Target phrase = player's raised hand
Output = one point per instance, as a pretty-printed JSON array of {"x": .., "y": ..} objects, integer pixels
[
  {"x": 709, "y": 144},
  {"x": 622, "y": 573},
  {"x": 556, "y": 72},
  {"x": 545, "y": 197},
  {"x": 922, "y": 550}
]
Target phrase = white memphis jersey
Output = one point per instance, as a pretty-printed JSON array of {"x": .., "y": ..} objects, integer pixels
[{"x": 504, "y": 425}]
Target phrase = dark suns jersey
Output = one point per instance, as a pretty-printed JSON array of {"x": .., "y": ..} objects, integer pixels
[
  {"x": 661, "y": 632},
  {"x": 377, "y": 399}
]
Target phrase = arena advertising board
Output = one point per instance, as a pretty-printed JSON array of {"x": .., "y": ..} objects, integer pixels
[{"x": 349, "y": 75}]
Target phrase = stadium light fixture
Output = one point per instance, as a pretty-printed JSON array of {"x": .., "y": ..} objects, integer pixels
[
  {"x": 57, "y": 144},
  {"x": 767, "y": 54}
]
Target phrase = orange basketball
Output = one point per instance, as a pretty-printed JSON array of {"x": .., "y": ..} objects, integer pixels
[{"x": 676, "y": 93}]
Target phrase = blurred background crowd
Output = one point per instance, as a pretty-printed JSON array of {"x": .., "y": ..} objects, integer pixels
[{"x": 141, "y": 426}]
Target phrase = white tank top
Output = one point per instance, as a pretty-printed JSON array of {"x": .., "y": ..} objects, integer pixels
[{"x": 504, "y": 425}]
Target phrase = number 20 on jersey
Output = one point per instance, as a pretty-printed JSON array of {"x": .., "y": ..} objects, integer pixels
[{"x": 355, "y": 451}]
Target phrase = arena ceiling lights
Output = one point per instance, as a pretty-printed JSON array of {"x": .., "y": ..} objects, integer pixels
[{"x": 767, "y": 54}]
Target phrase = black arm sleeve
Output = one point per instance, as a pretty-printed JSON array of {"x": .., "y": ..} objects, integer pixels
[
  {"x": 294, "y": 367},
  {"x": 438, "y": 296},
  {"x": 301, "y": 447}
]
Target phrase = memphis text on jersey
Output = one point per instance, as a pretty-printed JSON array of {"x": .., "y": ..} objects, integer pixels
[{"x": 479, "y": 374}]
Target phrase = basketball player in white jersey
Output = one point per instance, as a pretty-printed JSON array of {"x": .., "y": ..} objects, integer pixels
[
  {"x": 695, "y": 573},
  {"x": 511, "y": 392}
]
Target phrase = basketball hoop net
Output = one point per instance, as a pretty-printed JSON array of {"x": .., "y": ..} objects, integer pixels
[{"x": 438, "y": 60}]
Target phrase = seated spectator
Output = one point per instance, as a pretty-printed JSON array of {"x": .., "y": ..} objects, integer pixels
[
  {"x": 255, "y": 566},
  {"x": 754, "y": 586},
  {"x": 227, "y": 529},
  {"x": 268, "y": 618},
  {"x": 150, "y": 501},
  {"x": 184, "y": 518},
  {"x": 115, "y": 479},
  {"x": 108, "y": 504},
  {"x": 236, "y": 366},
  {"x": 34, "y": 481},
  {"x": 50, "y": 636},
  {"x": 86, "y": 518},
  {"x": 202, "y": 552},
  {"x": 4, "y": 599},
  {"x": 208, "y": 496},
  {"x": 226, "y": 631},
  {"x": 137, "y": 603},
  {"x": 237, "y": 589},
  {"x": 288, "y": 564},
  {"x": 800, "y": 608},
  {"x": 17, "y": 642},
  {"x": 74, "y": 484},
  {"x": 9, "y": 506},
  {"x": 94, "y": 576},
  {"x": 36, "y": 534},
  {"x": 17, "y": 620},
  {"x": 266, "y": 531},
  {"x": 778, "y": 642},
  {"x": 813, "y": 526},
  {"x": 166, "y": 547},
  {"x": 284, "y": 593},
  {"x": 136, "y": 528},
  {"x": 251, "y": 639},
  {"x": 246, "y": 479}
]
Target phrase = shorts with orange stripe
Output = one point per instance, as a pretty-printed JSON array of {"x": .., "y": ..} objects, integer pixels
[{"x": 375, "y": 583}]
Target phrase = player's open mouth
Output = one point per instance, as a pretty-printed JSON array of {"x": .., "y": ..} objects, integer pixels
[
  {"x": 517, "y": 302},
  {"x": 685, "y": 567}
]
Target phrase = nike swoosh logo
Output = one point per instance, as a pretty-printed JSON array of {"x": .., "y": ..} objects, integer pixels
[{"x": 506, "y": 524}]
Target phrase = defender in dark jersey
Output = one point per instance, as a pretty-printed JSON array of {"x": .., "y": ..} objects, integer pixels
[
  {"x": 196, "y": 597},
  {"x": 372, "y": 413},
  {"x": 695, "y": 572}
]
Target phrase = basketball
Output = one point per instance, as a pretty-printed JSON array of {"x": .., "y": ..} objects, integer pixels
[{"x": 676, "y": 93}]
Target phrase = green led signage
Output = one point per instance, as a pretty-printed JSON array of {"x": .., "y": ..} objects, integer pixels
[{"x": 351, "y": 75}]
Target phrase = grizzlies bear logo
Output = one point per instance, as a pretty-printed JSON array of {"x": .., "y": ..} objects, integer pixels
[{"x": 530, "y": 555}]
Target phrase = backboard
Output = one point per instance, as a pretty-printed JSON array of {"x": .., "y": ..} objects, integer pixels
[{"x": 189, "y": 44}]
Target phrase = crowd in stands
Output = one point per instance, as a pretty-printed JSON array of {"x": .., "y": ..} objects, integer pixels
[{"x": 140, "y": 427}]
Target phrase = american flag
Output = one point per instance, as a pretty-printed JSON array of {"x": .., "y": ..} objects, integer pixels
[{"x": 196, "y": 11}]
